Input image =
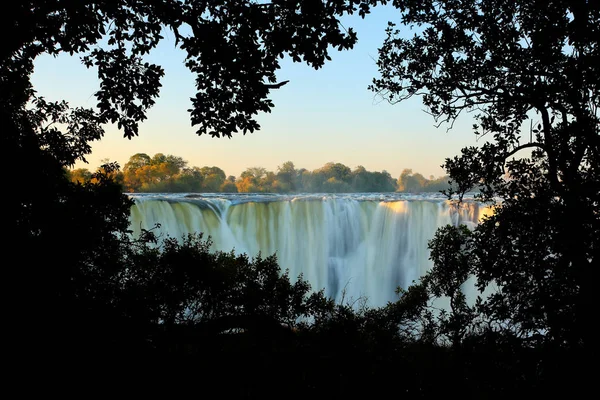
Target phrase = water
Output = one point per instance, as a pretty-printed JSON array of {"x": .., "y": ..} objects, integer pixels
[{"x": 352, "y": 245}]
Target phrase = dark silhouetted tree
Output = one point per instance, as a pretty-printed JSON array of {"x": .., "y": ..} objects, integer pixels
[
  {"x": 233, "y": 49},
  {"x": 529, "y": 73}
]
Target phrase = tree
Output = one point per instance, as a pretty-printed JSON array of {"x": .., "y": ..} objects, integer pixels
[
  {"x": 252, "y": 180},
  {"x": 188, "y": 283},
  {"x": 115, "y": 37},
  {"x": 365, "y": 181},
  {"x": 157, "y": 174},
  {"x": 333, "y": 185},
  {"x": 218, "y": 37},
  {"x": 286, "y": 175},
  {"x": 531, "y": 79},
  {"x": 410, "y": 182},
  {"x": 190, "y": 180},
  {"x": 336, "y": 170},
  {"x": 228, "y": 187},
  {"x": 383, "y": 181},
  {"x": 214, "y": 177},
  {"x": 246, "y": 185},
  {"x": 81, "y": 175},
  {"x": 256, "y": 173},
  {"x": 267, "y": 182},
  {"x": 133, "y": 175},
  {"x": 302, "y": 175}
]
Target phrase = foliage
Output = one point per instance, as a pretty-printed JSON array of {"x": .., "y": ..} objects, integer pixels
[
  {"x": 415, "y": 183},
  {"x": 67, "y": 238},
  {"x": 183, "y": 282},
  {"x": 217, "y": 38},
  {"x": 515, "y": 68},
  {"x": 168, "y": 173},
  {"x": 81, "y": 175}
]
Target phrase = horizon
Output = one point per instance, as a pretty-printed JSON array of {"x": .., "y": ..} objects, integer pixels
[
  {"x": 321, "y": 116},
  {"x": 81, "y": 165}
]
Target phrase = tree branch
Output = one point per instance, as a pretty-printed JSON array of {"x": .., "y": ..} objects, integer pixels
[
  {"x": 276, "y": 85},
  {"x": 549, "y": 143},
  {"x": 525, "y": 146}
]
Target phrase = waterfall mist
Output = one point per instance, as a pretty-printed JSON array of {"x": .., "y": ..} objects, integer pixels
[{"x": 350, "y": 245}]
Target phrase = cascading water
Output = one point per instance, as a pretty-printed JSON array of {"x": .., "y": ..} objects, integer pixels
[{"x": 350, "y": 245}]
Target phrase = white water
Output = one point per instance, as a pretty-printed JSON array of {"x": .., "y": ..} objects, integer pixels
[{"x": 363, "y": 245}]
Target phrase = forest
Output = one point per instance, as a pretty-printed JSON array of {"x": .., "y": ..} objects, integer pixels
[
  {"x": 170, "y": 174},
  {"x": 92, "y": 308}
]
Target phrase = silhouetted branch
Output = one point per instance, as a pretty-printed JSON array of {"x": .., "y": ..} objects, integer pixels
[
  {"x": 276, "y": 85},
  {"x": 525, "y": 146}
]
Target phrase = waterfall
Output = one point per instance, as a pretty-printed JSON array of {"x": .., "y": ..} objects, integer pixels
[{"x": 350, "y": 245}]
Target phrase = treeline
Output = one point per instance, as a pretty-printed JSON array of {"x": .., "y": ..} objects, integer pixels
[{"x": 169, "y": 173}]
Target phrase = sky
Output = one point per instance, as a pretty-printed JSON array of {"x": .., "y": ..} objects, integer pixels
[{"x": 321, "y": 116}]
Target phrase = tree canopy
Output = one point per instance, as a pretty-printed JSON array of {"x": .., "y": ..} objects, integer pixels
[
  {"x": 529, "y": 73},
  {"x": 169, "y": 173},
  {"x": 232, "y": 47}
]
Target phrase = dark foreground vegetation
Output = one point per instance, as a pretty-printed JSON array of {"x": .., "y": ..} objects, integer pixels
[{"x": 84, "y": 296}]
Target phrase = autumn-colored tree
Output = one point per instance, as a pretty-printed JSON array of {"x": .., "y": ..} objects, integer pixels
[
  {"x": 134, "y": 178},
  {"x": 246, "y": 185},
  {"x": 80, "y": 175}
]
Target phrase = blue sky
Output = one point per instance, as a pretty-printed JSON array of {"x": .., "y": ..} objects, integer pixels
[{"x": 319, "y": 116}]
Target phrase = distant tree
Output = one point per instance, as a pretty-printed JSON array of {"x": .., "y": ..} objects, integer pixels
[
  {"x": 137, "y": 161},
  {"x": 268, "y": 183},
  {"x": 212, "y": 183},
  {"x": 80, "y": 175},
  {"x": 410, "y": 182},
  {"x": 136, "y": 170},
  {"x": 252, "y": 180},
  {"x": 157, "y": 174},
  {"x": 256, "y": 173},
  {"x": 360, "y": 179},
  {"x": 168, "y": 173},
  {"x": 228, "y": 187},
  {"x": 333, "y": 185},
  {"x": 441, "y": 184},
  {"x": 247, "y": 185},
  {"x": 166, "y": 167},
  {"x": 302, "y": 177},
  {"x": 383, "y": 182},
  {"x": 287, "y": 175},
  {"x": 214, "y": 177},
  {"x": 190, "y": 180},
  {"x": 158, "y": 159},
  {"x": 336, "y": 170},
  {"x": 365, "y": 181},
  {"x": 108, "y": 170}
]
